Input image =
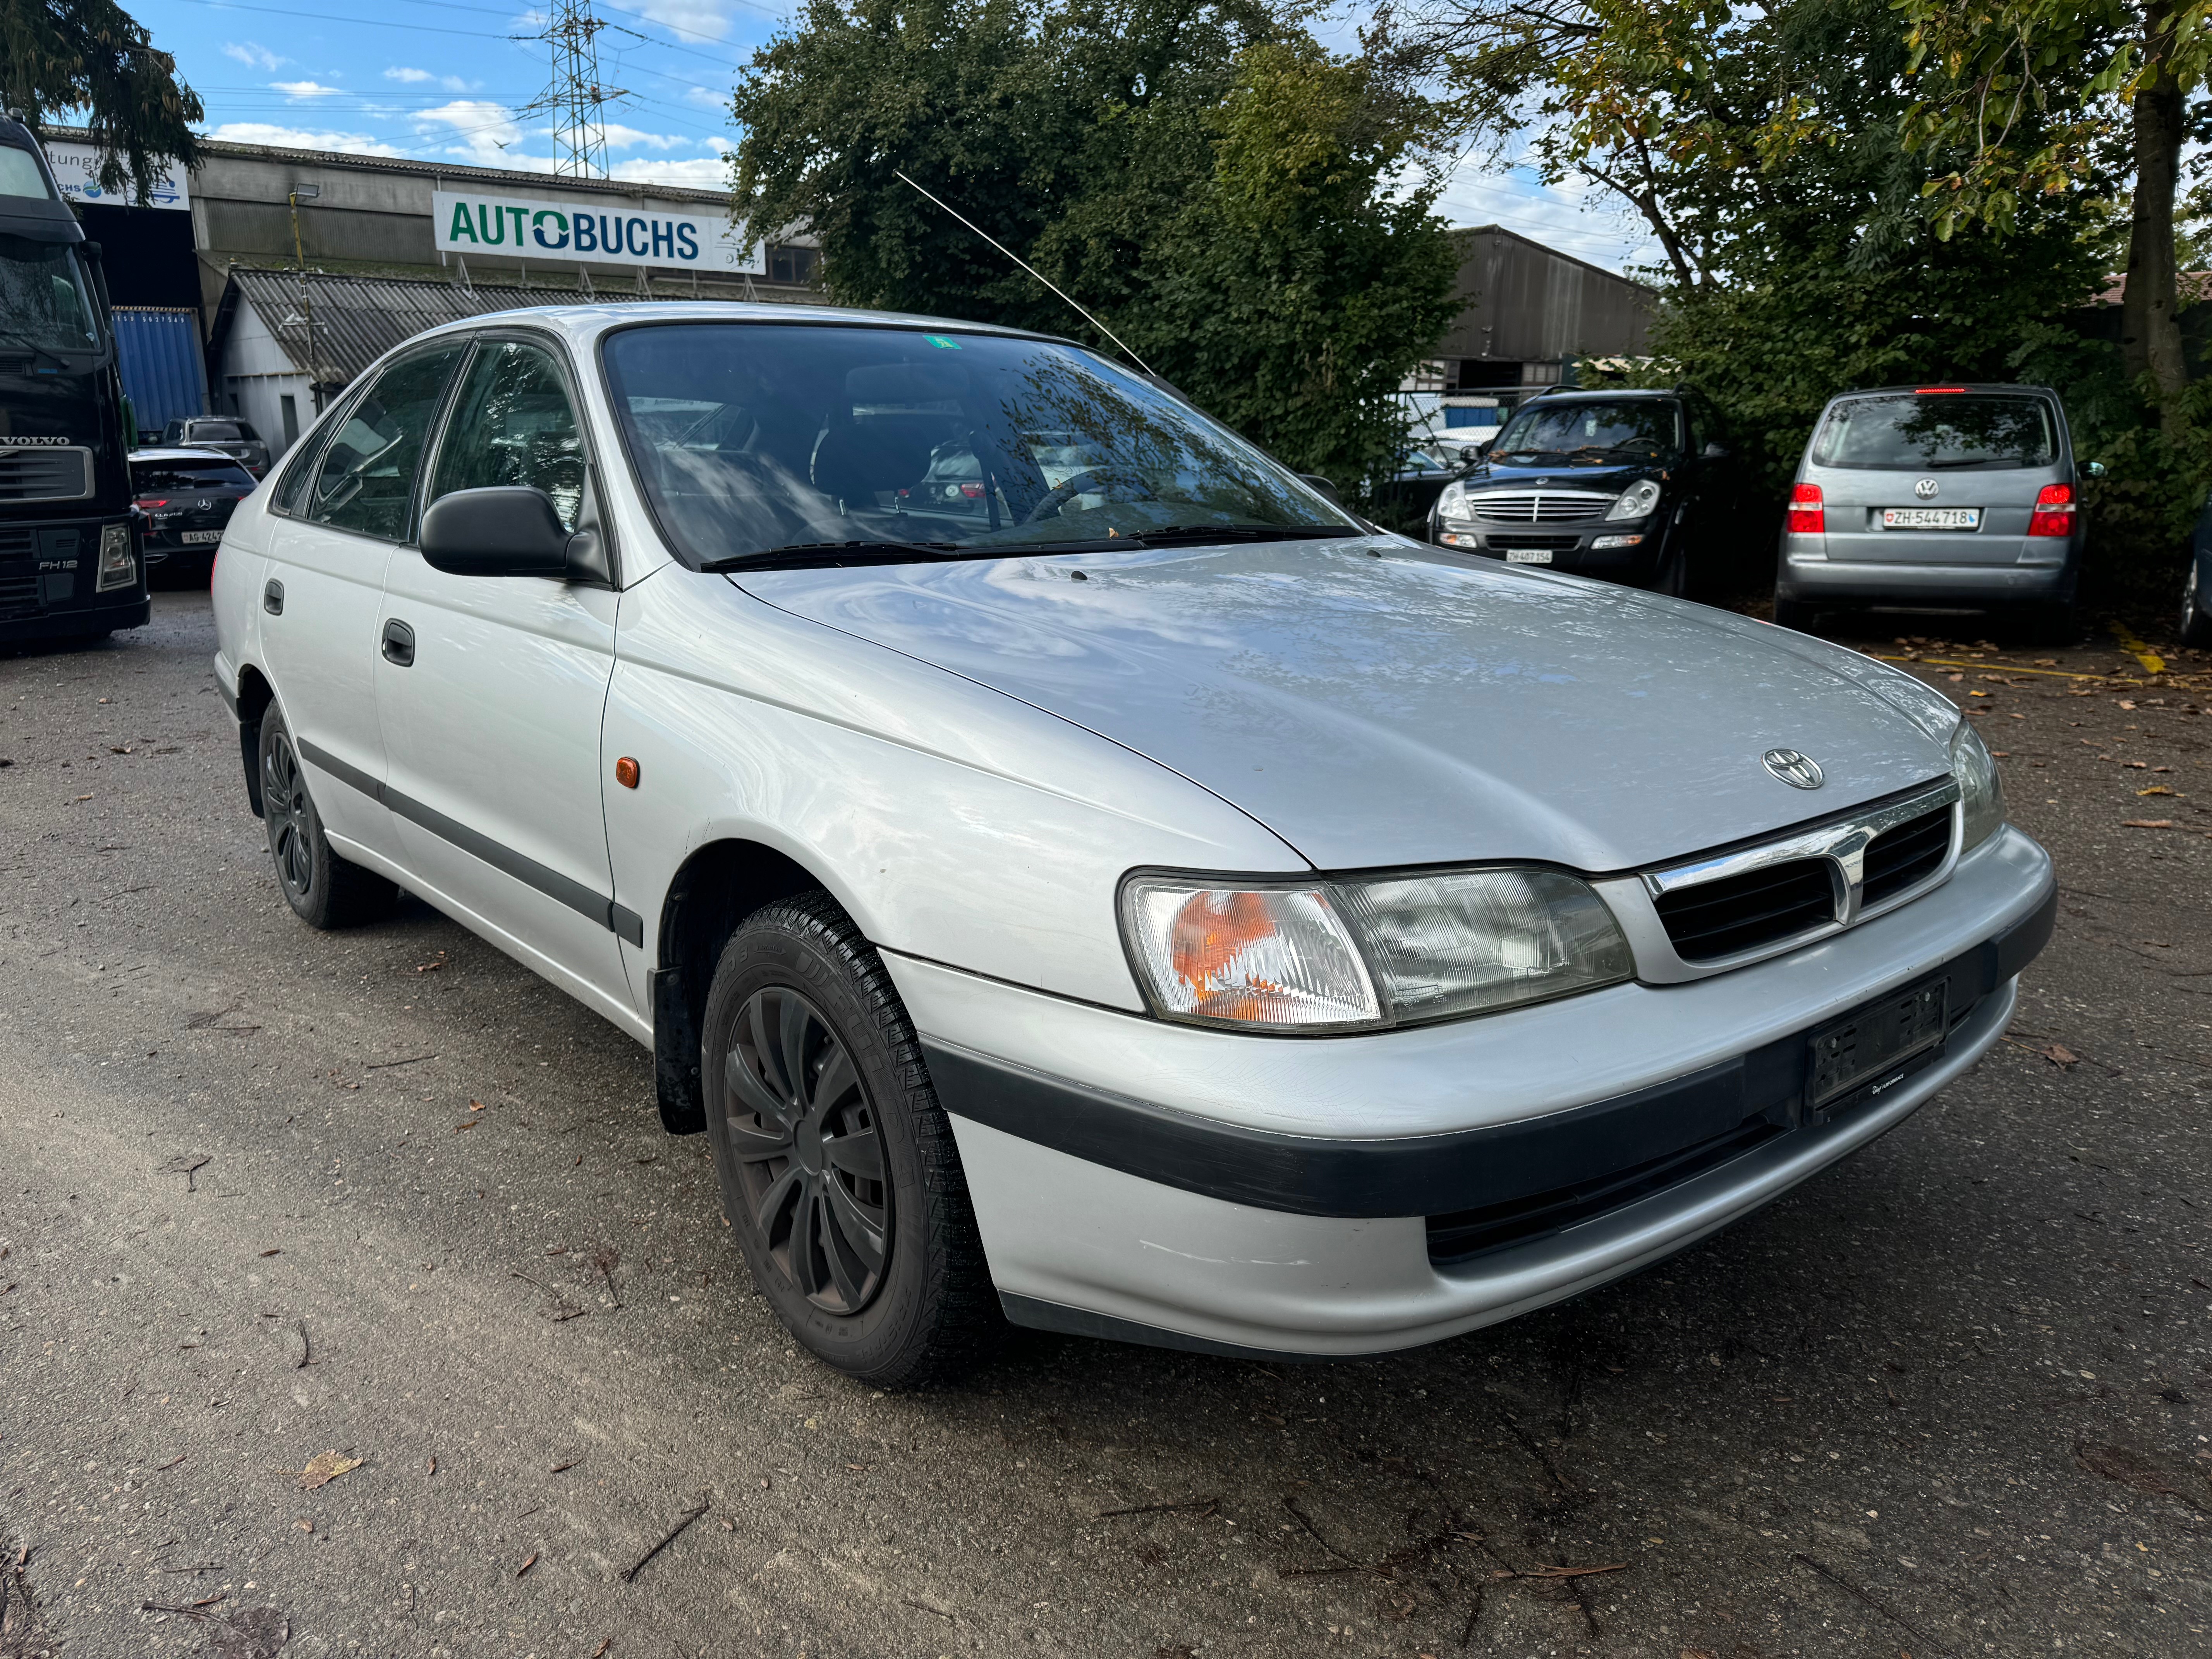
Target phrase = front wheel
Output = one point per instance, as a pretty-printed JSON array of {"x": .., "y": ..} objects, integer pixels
[
  {"x": 837, "y": 1163},
  {"x": 2196, "y": 620}
]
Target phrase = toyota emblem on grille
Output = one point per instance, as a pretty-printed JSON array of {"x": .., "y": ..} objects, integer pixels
[
  {"x": 1798, "y": 771},
  {"x": 1926, "y": 489}
]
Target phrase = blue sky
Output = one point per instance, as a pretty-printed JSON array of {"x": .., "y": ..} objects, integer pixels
[{"x": 442, "y": 80}]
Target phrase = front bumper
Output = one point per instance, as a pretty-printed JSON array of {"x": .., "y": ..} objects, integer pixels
[
  {"x": 49, "y": 574},
  {"x": 1162, "y": 1184},
  {"x": 1570, "y": 547}
]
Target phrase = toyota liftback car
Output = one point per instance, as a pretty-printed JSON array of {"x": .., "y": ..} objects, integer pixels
[{"x": 1153, "y": 905}]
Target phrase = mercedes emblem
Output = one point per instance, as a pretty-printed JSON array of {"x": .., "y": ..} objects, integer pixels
[
  {"x": 1926, "y": 489},
  {"x": 1798, "y": 771}
]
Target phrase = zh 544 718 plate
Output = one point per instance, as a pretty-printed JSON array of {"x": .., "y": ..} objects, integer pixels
[{"x": 1865, "y": 1045}]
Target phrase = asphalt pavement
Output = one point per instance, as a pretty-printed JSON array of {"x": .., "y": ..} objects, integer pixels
[{"x": 275, "y": 1204}]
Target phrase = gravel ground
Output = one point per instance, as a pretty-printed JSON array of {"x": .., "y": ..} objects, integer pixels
[{"x": 267, "y": 1194}]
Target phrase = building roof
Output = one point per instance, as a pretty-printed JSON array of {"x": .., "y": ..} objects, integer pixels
[
  {"x": 359, "y": 318},
  {"x": 513, "y": 177}
]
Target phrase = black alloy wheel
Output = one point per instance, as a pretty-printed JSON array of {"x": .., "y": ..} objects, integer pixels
[
  {"x": 324, "y": 890},
  {"x": 808, "y": 1150},
  {"x": 838, "y": 1169}
]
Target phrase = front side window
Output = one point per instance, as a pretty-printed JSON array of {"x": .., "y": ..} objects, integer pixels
[
  {"x": 1937, "y": 431},
  {"x": 1591, "y": 433},
  {"x": 756, "y": 439},
  {"x": 512, "y": 424},
  {"x": 45, "y": 302},
  {"x": 365, "y": 478}
]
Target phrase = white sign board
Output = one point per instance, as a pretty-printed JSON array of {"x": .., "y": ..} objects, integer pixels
[
  {"x": 76, "y": 170},
  {"x": 564, "y": 230}
]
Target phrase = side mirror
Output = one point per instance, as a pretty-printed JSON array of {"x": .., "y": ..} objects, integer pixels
[
  {"x": 1323, "y": 485},
  {"x": 1475, "y": 453},
  {"x": 1715, "y": 451},
  {"x": 506, "y": 530},
  {"x": 2094, "y": 469}
]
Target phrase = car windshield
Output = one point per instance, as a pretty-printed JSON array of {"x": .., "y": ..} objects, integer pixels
[
  {"x": 45, "y": 302},
  {"x": 20, "y": 175},
  {"x": 1928, "y": 431},
  {"x": 216, "y": 431},
  {"x": 758, "y": 439},
  {"x": 189, "y": 474},
  {"x": 1593, "y": 432}
]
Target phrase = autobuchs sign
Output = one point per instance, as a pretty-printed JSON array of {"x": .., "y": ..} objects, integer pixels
[{"x": 518, "y": 228}]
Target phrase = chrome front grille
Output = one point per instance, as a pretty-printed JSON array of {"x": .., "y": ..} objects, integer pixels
[
  {"x": 1539, "y": 506},
  {"x": 1728, "y": 908},
  {"x": 44, "y": 475}
]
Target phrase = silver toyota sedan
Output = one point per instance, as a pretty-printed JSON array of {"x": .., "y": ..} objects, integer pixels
[{"x": 1072, "y": 872}]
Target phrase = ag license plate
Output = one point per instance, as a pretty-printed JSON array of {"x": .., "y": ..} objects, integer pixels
[
  {"x": 199, "y": 537},
  {"x": 1879, "y": 1044},
  {"x": 1931, "y": 517},
  {"x": 1527, "y": 555}
]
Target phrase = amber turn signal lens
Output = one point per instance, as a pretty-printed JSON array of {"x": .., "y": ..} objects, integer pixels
[{"x": 626, "y": 773}]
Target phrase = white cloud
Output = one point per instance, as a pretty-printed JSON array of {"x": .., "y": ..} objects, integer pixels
[
  {"x": 619, "y": 136},
  {"x": 690, "y": 17},
  {"x": 253, "y": 54},
  {"x": 707, "y": 98},
  {"x": 484, "y": 132},
  {"x": 1571, "y": 216},
  {"x": 698, "y": 173},
  {"x": 262, "y": 132},
  {"x": 413, "y": 77},
  {"x": 296, "y": 90}
]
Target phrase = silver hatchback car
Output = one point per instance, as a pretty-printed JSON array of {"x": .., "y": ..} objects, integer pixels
[{"x": 1936, "y": 497}]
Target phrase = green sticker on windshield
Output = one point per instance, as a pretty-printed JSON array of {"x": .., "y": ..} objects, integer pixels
[{"x": 942, "y": 342}]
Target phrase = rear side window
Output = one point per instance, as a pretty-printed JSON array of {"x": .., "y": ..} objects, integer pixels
[
  {"x": 364, "y": 480},
  {"x": 1936, "y": 431}
]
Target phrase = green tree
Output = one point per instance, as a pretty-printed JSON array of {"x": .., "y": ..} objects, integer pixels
[
  {"x": 57, "y": 56},
  {"x": 1205, "y": 179}
]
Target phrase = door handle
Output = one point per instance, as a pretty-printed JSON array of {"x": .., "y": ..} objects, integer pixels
[
  {"x": 398, "y": 644},
  {"x": 272, "y": 598}
]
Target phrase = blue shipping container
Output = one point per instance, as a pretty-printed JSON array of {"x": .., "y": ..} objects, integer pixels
[{"x": 164, "y": 372}]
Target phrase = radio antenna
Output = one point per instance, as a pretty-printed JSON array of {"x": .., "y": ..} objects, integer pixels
[{"x": 1033, "y": 272}]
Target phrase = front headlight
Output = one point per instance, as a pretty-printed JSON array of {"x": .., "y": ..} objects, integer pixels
[
  {"x": 118, "y": 568},
  {"x": 1638, "y": 501},
  {"x": 1452, "y": 504},
  {"x": 1367, "y": 951},
  {"x": 1981, "y": 791}
]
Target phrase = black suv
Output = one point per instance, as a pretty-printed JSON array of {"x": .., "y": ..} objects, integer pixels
[
  {"x": 185, "y": 497},
  {"x": 1601, "y": 483}
]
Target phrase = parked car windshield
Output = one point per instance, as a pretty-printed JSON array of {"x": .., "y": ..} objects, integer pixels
[
  {"x": 45, "y": 302},
  {"x": 1931, "y": 431},
  {"x": 189, "y": 474},
  {"x": 1592, "y": 432},
  {"x": 218, "y": 432},
  {"x": 754, "y": 438}
]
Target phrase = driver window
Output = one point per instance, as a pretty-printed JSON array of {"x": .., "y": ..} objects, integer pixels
[
  {"x": 513, "y": 425},
  {"x": 365, "y": 480}
]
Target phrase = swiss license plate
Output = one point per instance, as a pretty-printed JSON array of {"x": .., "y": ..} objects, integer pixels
[
  {"x": 1867, "y": 1047},
  {"x": 1931, "y": 517},
  {"x": 200, "y": 538},
  {"x": 1527, "y": 555}
]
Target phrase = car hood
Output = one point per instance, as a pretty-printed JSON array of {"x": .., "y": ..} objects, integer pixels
[{"x": 1377, "y": 704}]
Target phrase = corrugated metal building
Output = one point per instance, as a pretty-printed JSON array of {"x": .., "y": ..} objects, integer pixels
[{"x": 1528, "y": 310}]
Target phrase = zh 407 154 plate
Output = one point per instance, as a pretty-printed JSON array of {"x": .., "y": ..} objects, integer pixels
[{"x": 1867, "y": 1045}]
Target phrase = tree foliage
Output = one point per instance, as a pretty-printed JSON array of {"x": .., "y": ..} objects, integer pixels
[
  {"x": 59, "y": 56},
  {"x": 1218, "y": 189}
]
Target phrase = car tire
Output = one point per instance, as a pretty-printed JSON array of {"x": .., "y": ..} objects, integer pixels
[
  {"x": 324, "y": 890},
  {"x": 1673, "y": 576},
  {"x": 1794, "y": 613},
  {"x": 2196, "y": 620},
  {"x": 836, "y": 1163}
]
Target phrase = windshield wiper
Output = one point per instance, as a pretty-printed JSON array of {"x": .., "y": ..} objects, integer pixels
[
  {"x": 1168, "y": 535},
  {"x": 797, "y": 554},
  {"x": 46, "y": 351}
]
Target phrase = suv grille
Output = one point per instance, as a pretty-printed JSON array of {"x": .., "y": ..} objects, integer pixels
[
  {"x": 19, "y": 574},
  {"x": 1542, "y": 507},
  {"x": 1906, "y": 856},
  {"x": 44, "y": 475},
  {"x": 1717, "y": 918}
]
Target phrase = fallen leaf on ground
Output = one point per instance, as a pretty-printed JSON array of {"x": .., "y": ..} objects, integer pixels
[
  {"x": 325, "y": 1468},
  {"x": 252, "y": 1633},
  {"x": 2148, "y": 824},
  {"x": 526, "y": 1565},
  {"x": 469, "y": 1124},
  {"x": 269, "y": 1253},
  {"x": 2156, "y": 789}
]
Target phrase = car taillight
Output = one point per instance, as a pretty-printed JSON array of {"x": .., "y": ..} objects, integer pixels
[
  {"x": 2054, "y": 510},
  {"x": 1808, "y": 517},
  {"x": 147, "y": 504},
  {"x": 973, "y": 492}
]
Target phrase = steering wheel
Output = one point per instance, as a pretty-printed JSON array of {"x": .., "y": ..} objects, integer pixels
[{"x": 1067, "y": 489}]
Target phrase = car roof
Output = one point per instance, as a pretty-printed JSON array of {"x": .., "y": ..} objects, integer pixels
[
  {"x": 195, "y": 454},
  {"x": 1562, "y": 394},
  {"x": 2005, "y": 388},
  {"x": 584, "y": 323}
]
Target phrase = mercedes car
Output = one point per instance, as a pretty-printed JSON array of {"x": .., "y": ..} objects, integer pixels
[{"x": 1146, "y": 902}]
